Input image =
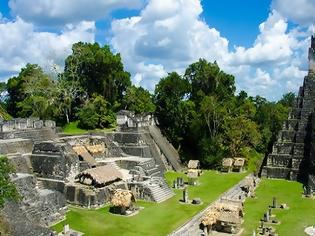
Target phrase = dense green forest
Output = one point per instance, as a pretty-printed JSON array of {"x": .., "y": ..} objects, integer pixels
[{"x": 199, "y": 111}]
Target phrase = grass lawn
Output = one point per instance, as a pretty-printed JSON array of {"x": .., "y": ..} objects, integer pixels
[
  {"x": 154, "y": 219},
  {"x": 73, "y": 129},
  {"x": 301, "y": 212}
]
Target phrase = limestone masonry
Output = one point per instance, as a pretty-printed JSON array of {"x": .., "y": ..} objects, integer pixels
[
  {"x": 53, "y": 171},
  {"x": 293, "y": 155}
]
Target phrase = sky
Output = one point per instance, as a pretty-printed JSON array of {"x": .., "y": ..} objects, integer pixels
[{"x": 263, "y": 43}]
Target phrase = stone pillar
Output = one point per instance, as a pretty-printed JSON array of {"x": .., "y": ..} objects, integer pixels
[
  {"x": 261, "y": 224},
  {"x": 269, "y": 211},
  {"x": 66, "y": 229},
  {"x": 266, "y": 216},
  {"x": 174, "y": 184},
  {"x": 185, "y": 195},
  {"x": 274, "y": 202}
]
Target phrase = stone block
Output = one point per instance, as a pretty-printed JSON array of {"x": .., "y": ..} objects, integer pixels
[
  {"x": 50, "y": 124},
  {"x": 38, "y": 124},
  {"x": 283, "y": 148},
  {"x": 279, "y": 160},
  {"x": 20, "y": 124},
  {"x": 7, "y": 126},
  {"x": 30, "y": 121}
]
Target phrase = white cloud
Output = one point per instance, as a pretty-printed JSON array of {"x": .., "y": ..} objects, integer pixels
[
  {"x": 167, "y": 35},
  {"x": 50, "y": 12},
  {"x": 273, "y": 44},
  {"x": 298, "y": 11},
  {"x": 277, "y": 61},
  {"x": 20, "y": 43}
]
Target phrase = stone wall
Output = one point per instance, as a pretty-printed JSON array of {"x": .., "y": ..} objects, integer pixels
[
  {"x": 21, "y": 162},
  {"x": 36, "y": 210},
  {"x": 85, "y": 197},
  {"x": 54, "y": 160},
  {"x": 19, "y": 224},
  {"x": 16, "y": 146},
  {"x": 25, "y": 123}
]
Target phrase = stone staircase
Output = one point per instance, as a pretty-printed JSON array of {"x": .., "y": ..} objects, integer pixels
[
  {"x": 39, "y": 184},
  {"x": 159, "y": 190},
  {"x": 291, "y": 149},
  {"x": 155, "y": 153},
  {"x": 150, "y": 168},
  {"x": 166, "y": 148}
]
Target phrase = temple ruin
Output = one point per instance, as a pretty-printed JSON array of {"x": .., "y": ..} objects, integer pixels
[
  {"x": 292, "y": 155},
  {"x": 54, "y": 170}
]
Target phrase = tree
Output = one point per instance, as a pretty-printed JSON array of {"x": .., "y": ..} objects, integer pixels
[
  {"x": 269, "y": 117},
  {"x": 288, "y": 99},
  {"x": 8, "y": 190},
  {"x": 208, "y": 79},
  {"x": 69, "y": 94},
  {"x": 96, "y": 114},
  {"x": 31, "y": 93},
  {"x": 139, "y": 100},
  {"x": 213, "y": 113},
  {"x": 98, "y": 71},
  {"x": 240, "y": 133},
  {"x": 170, "y": 94}
]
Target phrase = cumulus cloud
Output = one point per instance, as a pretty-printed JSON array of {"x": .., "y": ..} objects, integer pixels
[
  {"x": 273, "y": 44},
  {"x": 20, "y": 43},
  {"x": 277, "y": 61},
  {"x": 51, "y": 12},
  {"x": 170, "y": 35},
  {"x": 167, "y": 35},
  {"x": 298, "y": 11}
]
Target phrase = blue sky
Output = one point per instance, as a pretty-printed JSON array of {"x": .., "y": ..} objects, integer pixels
[{"x": 262, "y": 43}]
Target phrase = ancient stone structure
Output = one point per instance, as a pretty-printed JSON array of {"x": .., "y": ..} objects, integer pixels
[
  {"x": 292, "y": 152},
  {"x": 233, "y": 164},
  {"x": 81, "y": 170},
  {"x": 227, "y": 165},
  {"x": 128, "y": 119}
]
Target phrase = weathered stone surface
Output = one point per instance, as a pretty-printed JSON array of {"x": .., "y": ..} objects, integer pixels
[
  {"x": 16, "y": 146},
  {"x": 19, "y": 224},
  {"x": 53, "y": 160},
  {"x": 292, "y": 150},
  {"x": 86, "y": 197},
  {"x": 21, "y": 162}
]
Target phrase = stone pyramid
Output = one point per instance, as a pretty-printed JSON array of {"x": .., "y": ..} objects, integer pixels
[{"x": 292, "y": 152}]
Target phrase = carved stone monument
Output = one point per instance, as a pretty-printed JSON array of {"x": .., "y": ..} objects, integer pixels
[{"x": 185, "y": 195}]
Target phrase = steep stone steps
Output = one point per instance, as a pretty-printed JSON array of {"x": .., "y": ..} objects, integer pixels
[
  {"x": 150, "y": 168},
  {"x": 159, "y": 189},
  {"x": 154, "y": 172},
  {"x": 168, "y": 150},
  {"x": 39, "y": 184}
]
